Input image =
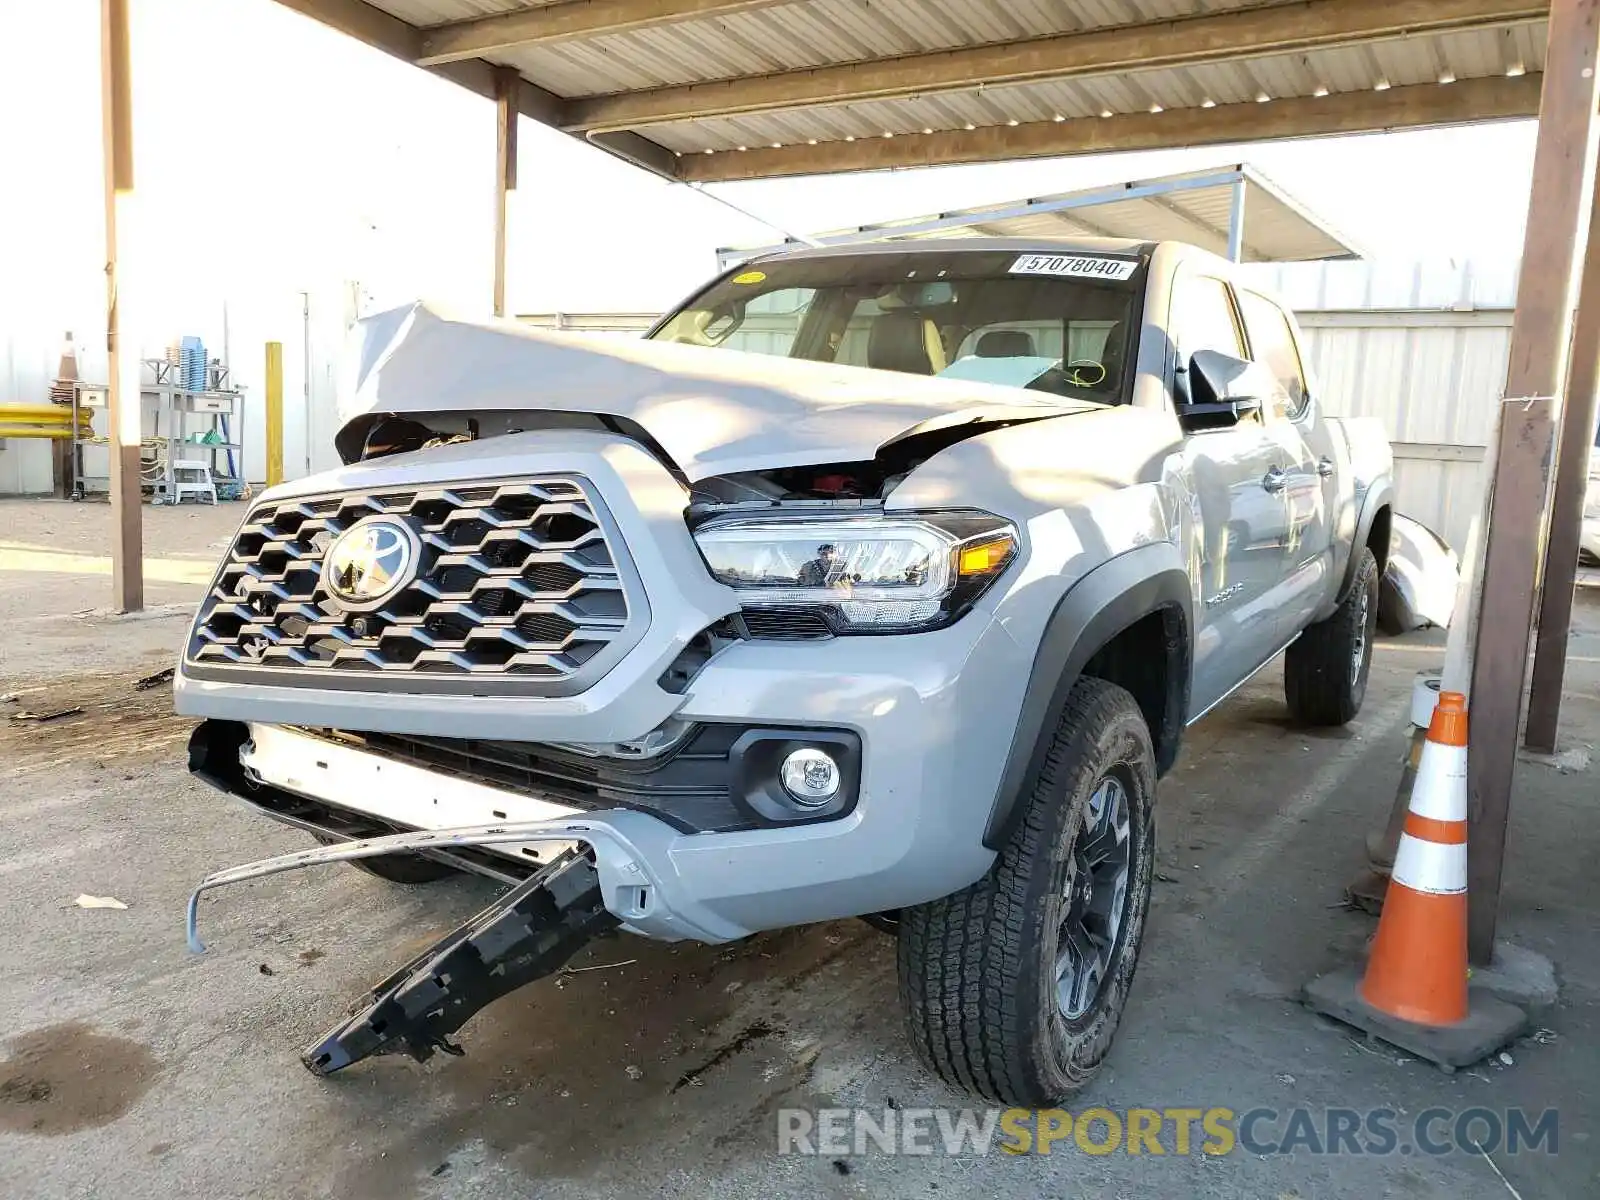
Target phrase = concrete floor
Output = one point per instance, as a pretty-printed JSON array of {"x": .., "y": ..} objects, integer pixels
[{"x": 138, "y": 1071}]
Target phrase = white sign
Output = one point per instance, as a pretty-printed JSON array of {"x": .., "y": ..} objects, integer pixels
[{"x": 1076, "y": 265}]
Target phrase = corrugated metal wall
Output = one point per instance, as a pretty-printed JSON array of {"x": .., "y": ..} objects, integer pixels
[
  {"x": 1421, "y": 348},
  {"x": 30, "y": 348}
]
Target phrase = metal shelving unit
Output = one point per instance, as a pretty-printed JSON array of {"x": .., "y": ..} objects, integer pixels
[
  {"x": 216, "y": 413},
  {"x": 170, "y": 447}
]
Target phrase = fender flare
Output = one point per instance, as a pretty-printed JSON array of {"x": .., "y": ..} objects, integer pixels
[
  {"x": 1379, "y": 496},
  {"x": 1106, "y": 601}
]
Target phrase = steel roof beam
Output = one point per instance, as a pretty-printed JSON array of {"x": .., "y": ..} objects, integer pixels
[
  {"x": 1298, "y": 27},
  {"x": 563, "y": 21},
  {"x": 1493, "y": 99}
]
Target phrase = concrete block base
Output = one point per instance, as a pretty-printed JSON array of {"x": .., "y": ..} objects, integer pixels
[
  {"x": 1522, "y": 977},
  {"x": 1490, "y": 1023}
]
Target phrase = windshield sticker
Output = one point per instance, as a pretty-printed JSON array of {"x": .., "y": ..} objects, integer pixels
[
  {"x": 750, "y": 277},
  {"x": 1076, "y": 265}
]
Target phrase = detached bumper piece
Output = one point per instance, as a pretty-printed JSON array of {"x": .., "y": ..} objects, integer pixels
[{"x": 530, "y": 932}]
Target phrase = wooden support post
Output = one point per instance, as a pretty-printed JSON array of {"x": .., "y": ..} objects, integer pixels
[
  {"x": 506, "y": 85},
  {"x": 274, "y": 413},
  {"x": 1579, "y": 412},
  {"x": 122, "y": 376},
  {"x": 1563, "y": 171}
]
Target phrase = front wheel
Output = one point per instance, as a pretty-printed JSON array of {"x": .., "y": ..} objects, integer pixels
[
  {"x": 1325, "y": 670},
  {"x": 1013, "y": 987}
]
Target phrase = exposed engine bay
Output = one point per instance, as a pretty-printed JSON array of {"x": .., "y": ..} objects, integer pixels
[{"x": 871, "y": 480}]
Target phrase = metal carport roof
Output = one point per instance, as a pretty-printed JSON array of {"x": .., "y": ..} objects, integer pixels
[
  {"x": 1232, "y": 211},
  {"x": 713, "y": 90}
]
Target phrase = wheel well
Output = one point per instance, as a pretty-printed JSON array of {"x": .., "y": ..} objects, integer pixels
[
  {"x": 1378, "y": 536},
  {"x": 1150, "y": 659}
]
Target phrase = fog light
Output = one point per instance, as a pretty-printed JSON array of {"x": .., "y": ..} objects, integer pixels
[{"x": 811, "y": 777}]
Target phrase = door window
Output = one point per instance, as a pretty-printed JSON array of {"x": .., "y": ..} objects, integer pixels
[
  {"x": 1203, "y": 316},
  {"x": 1272, "y": 345}
]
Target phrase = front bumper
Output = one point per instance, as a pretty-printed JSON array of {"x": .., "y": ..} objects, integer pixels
[{"x": 934, "y": 713}]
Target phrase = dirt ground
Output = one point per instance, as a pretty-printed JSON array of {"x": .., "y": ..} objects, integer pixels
[{"x": 131, "y": 1069}]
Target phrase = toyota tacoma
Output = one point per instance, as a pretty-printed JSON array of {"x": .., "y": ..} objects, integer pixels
[{"x": 876, "y": 581}]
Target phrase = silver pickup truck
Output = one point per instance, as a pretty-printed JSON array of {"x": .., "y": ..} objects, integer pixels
[{"x": 879, "y": 581}]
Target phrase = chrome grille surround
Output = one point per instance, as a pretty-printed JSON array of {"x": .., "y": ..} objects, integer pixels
[{"x": 518, "y": 588}]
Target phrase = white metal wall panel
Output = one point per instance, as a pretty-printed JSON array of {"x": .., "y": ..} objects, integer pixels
[
  {"x": 1421, "y": 347},
  {"x": 1434, "y": 389},
  {"x": 30, "y": 349}
]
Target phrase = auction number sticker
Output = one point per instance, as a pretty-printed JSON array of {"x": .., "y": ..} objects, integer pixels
[{"x": 1076, "y": 265}]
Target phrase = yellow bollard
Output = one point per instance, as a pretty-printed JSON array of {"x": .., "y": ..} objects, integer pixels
[{"x": 274, "y": 413}]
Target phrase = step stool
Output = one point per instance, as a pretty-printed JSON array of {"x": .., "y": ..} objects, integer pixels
[{"x": 191, "y": 477}]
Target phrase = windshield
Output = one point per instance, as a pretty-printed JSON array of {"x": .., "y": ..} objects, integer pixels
[{"x": 1059, "y": 322}]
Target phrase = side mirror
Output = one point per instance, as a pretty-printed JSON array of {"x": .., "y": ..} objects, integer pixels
[{"x": 1223, "y": 390}]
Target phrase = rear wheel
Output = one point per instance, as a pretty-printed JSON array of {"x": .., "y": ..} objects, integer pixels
[
  {"x": 1013, "y": 987},
  {"x": 398, "y": 868},
  {"x": 1325, "y": 670}
]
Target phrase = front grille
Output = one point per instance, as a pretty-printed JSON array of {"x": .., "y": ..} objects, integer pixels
[{"x": 514, "y": 579}]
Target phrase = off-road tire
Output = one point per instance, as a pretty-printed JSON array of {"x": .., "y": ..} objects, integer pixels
[
  {"x": 399, "y": 868},
  {"x": 978, "y": 968},
  {"x": 1322, "y": 679}
]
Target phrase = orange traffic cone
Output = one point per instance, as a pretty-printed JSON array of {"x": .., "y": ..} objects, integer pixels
[
  {"x": 1414, "y": 991},
  {"x": 1418, "y": 967}
]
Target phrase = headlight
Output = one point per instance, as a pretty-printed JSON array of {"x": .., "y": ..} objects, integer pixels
[{"x": 877, "y": 574}]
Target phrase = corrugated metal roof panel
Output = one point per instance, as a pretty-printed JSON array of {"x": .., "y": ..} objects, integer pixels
[
  {"x": 1194, "y": 207},
  {"x": 439, "y": 12},
  {"x": 815, "y": 33},
  {"x": 796, "y": 36},
  {"x": 1403, "y": 61},
  {"x": 825, "y": 32}
]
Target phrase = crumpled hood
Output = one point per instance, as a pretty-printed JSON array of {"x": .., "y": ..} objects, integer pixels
[{"x": 714, "y": 412}]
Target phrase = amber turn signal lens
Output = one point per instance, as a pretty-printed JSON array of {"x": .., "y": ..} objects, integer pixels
[{"x": 983, "y": 557}]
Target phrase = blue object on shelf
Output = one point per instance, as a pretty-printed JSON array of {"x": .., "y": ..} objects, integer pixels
[{"x": 192, "y": 364}]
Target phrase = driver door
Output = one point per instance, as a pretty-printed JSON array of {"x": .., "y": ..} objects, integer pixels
[{"x": 1235, "y": 478}]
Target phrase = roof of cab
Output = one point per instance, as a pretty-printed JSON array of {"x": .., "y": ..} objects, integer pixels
[{"x": 973, "y": 245}]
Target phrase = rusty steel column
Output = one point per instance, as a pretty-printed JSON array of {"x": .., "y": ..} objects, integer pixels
[
  {"x": 506, "y": 84},
  {"x": 1563, "y": 170},
  {"x": 1579, "y": 413},
  {"x": 122, "y": 375}
]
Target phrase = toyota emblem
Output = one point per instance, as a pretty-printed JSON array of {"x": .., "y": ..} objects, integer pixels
[{"x": 370, "y": 562}]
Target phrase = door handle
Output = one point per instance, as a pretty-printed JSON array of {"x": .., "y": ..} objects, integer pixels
[
  {"x": 1274, "y": 480},
  {"x": 1325, "y": 467}
]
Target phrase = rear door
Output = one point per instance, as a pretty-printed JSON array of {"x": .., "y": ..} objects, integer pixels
[
  {"x": 1307, "y": 460},
  {"x": 1235, "y": 481}
]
